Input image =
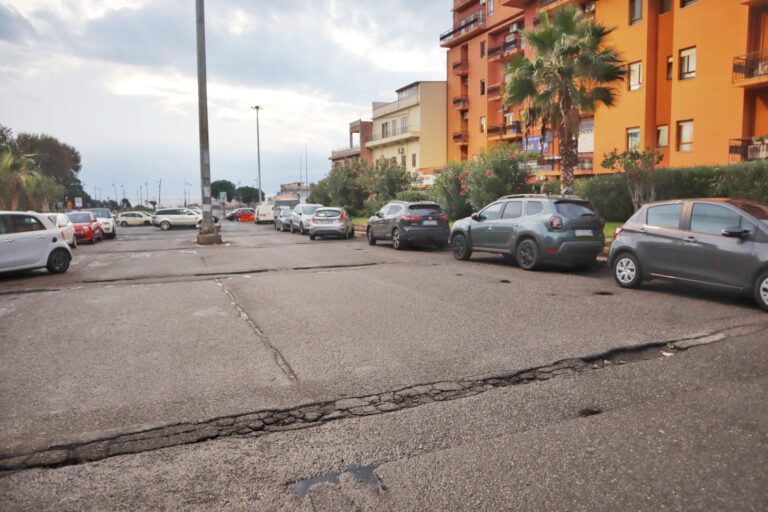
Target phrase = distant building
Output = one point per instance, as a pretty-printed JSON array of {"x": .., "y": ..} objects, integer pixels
[
  {"x": 359, "y": 134},
  {"x": 296, "y": 188}
]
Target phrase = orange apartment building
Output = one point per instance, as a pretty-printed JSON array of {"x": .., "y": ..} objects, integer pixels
[{"x": 696, "y": 87}]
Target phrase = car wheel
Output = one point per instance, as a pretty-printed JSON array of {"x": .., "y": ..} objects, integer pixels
[
  {"x": 627, "y": 271},
  {"x": 292, "y": 229},
  {"x": 58, "y": 261},
  {"x": 460, "y": 247},
  {"x": 761, "y": 291},
  {"x": 123, "y": 224},
  {"x": 147, "y": 223},
  {"x": 397, "y": 242},
  {"x": 527, "y": 255},
  {"x": 74, "y": 242},
  {"x": 165, "y": 225},
  {"x": 301, "y": 229},
  {"x": 371, "y": 238},
  {"x": 351, "y": 234},
  {"x": 311, "y": 236}
]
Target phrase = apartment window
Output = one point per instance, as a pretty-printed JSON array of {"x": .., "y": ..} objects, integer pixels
[
  {"x": 635, "y": 76},
  {"x": 482, "y": 87},
  {"x": 482, "y": 49},
  {"x": 685, "y": 136},
  {"x": 670, "y": 63},
  {"x": 688, "y": 63},
  {"x": 665, "y": 6},
  {"x": 483, "y": 124},
  {"x": 385, "y": 130},
  {"x": 686, "y": 3},
  {"x": 393, "y": 127},
  {"x": 635, "y": 11},
  {"x": 490, "y": 7},
  {"x": 402, "y": 161},
  {"x": 403, "y": 125},
  {"x": 662, "y": 136},
  {"x": 633, "y": 138},
  {"x": 413, "y": 160},
  {"x": 509, "y": 118}
]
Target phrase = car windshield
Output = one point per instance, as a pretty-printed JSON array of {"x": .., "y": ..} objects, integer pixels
[
  {"x": 307, "y": 210},
  {"x": 101, "y": 214},
  {"x": 79, "y": 217},
  {"x": 285, "y": 213},
  {"x": 327, "y": 213},
  {"x": 425, "y": 209},
  {"x": 574, "y": 209}
]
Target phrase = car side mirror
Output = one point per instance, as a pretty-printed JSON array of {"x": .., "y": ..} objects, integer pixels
[
  {"x": 477, "y": 217},
  {"x": 735, "y": 232},
  {"x": 379, "y": 214}
]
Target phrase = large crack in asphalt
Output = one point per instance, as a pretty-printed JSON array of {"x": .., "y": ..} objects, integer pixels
[{"x": 264, "y": 422}]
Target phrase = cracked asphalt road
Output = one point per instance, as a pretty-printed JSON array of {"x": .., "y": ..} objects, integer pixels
[{"x": 151, "y": 332}]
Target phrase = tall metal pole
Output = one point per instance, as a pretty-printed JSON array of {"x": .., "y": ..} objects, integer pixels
[
  {"x": 207, "y": 233},
  {"x": 159, "y": 191},
  {"x": 306, "y": 167},
  {"x": 258, "y": 149}
]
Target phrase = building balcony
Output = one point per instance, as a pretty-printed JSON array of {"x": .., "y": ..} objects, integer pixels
[
  {"x": 750, "y": 70},
  {"x": 496, "y": 92},
  {"x": 461, "y": 103},
  {"x": 506, "y": 49},
  {"x": 461, "y": 67},
  {"x": 463, "y": 30},
  {"x": 460, "y": 137},
  {"x": 393, "y": 137},
  {"x": 348, "y": 152},
  {"x": 588, "y": 6},
  {"x": 462, "y": 4},
  {"x": 505, "y": 132},
  {"x": 515, "y": 3},
  {"x": 744, "y": 150}
]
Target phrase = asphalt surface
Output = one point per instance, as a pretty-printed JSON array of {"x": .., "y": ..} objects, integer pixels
[{"x": 151, "y": 330}]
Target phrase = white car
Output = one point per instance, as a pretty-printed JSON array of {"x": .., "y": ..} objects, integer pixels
[
  {"x": 30, "y": 240},
  {"x": 134, "y": 219},
  {"x": 106, "y": 220},
  {"x": 264, "y": 213},
  {"x": 168, "y": 218},
  {"x": 66, "y": 228}
]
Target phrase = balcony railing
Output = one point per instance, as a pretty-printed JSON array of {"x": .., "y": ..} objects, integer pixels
[
  {"x": 503, "y": 131},
  {"x": 397, "y": 132},
  {"x": 506, "y": 48},
  {"x": 749, "y": 66},
  {"x": 460, "y": 4},
  {"x": 461, "y": 102},
  {"x": 460, "y": 137},
  {"x": 465, "y": 26},
  {"x": 495, "y": 91},
  {"x": 742, "y": 150},
  {"x": 345, "y": 152},
  {"x": 461, "y": 67}
]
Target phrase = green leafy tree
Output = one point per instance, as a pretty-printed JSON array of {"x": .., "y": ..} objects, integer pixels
[
  {"x": 497, "y": 172},
  {"x": 638, "y": 166},
  {"x": 451, "y": 190},
  {"x": 249, "y": 194},
  {"x": 55, "y": 159},
  {"x": 17, "y": 181},
  {"x": 223, "y": 186},
  {"x": 346, "y": 186},
  {"x": 573, "y": 71},
  {"x": 386, "y": 179},
  {"x": 319, "y": 193}
]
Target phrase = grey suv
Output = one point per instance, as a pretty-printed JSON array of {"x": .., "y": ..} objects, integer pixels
[
  {"x": 409, "y": 222},
  {"x": 717, "y": 242},
  {"x": 533, "y": 230}
]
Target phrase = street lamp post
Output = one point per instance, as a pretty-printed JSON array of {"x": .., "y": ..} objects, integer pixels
[
  {"x": 207, "y": 233},
  {"x": 258, "y": 149}
]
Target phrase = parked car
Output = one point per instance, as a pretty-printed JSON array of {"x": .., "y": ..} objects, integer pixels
[
  {"x": 283, "y": 219},
  {"x": 30, "y": 240},
  {"x": 168, "y": 218},
  {"x": 533, "y": 230},
  {"x": 66, "y": 228},
  {"x": 264, "y": 213},
  {"x": 330, "y": 222},
  {"x": 234, "y": 215},
  {"x": 106, "y": 220},
  {"x": 721, "y": 243},
  {"x": 300, "y": 217},
  {"x": 87, "y": 228},
  {"x": 246, "y": 215},
  {"x": 134, "y": 219},
  {"x": 405, "y": 223}
]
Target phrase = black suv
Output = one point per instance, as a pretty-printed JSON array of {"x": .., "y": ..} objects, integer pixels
[
  {"x": 533, "y": 230},
  {"x": 405, "y": 223}
]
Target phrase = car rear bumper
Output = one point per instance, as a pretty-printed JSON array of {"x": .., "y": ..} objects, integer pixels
[
  {"x": 421, "y": 234},
  {"x": 574, "y": 251},
  {"x": 322, "y": 230}
]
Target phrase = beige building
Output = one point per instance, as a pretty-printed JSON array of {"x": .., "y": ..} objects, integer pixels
[{"x": 411, "y": 130}]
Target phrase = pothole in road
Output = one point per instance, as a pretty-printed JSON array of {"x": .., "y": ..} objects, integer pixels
[
  {"x": 505, "y": 281},
  {"x": 363, "y": 474},
  {"x": 589, "y": 411},
  {"x": 603, "y": 293}
]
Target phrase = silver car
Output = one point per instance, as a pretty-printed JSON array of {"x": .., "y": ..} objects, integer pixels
[
  {"x": 300, "y": 217},
  {"x": 168, "y": 218},
  {"x": 721, "y": 243},
  {"x": 66, "y": 227},
  {"x": 330, "y": 222}
]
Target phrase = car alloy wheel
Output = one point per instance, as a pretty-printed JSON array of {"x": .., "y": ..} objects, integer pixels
[
  {"x": 58, "y": 261},
  {"x": 396, "y": 242},
  {"x": 460, "y": 247},
  {"x": 761, "y": 291},
  {"x": 123, "y": 223},
  {"x": 371, "y": 238},
  {"x": 626, "y": 271},
  {"x": 527, "y": 255}
]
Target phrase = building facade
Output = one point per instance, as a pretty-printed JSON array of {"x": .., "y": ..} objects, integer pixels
[
  {"x": 696, "y": 87},
  {"x": 360, "y": 133},
  {"x": 411, "y": 130}
]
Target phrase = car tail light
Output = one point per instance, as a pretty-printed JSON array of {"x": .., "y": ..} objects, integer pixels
[
  {"x": 342, "y": 216},
  {"x": 619, "y": 229},
  {"x": 408, "y": 217},
  {"x": 444, "y": 217},
  {"x": 556, "y": 222}
]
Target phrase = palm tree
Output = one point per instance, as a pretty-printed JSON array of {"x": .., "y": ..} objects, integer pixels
[
  {"x": 17, "y": 179},
  {"x": 573, "y": 71}
]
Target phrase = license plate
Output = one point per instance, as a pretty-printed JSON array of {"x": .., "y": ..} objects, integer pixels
[
  {"x": 584, "y": 232},
  {"x": 430, "y": 223}
]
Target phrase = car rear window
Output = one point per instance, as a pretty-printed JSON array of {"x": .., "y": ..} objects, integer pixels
[
  {"x": 574, "y": 209},
  {"x": 425, "y": 209},
  {"x": 100, "y": 214},
  {"x": 306, "y": 210},
  {"x": 79, "y": 217},
  {"x": 665, "y": 215},
  {"x": 327, "y": 214},
  {"x": 758, "y": 211}
]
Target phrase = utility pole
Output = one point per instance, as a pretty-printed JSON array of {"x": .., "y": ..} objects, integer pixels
[
  {"x": 258, "y": 148},
  {"x": 306, "y": 168},
  {"x": 208, "y": 233},
  {"x": 146, "y": 191},
  {"x": 122, "y": 187},
  {"x": 159, "y": 190},
  {"x": 115, "y": 189}
]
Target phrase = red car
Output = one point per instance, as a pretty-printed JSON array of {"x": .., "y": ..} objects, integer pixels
[
  {"x": 87, "y": 228},
  {"x": 245, "y": 215}
]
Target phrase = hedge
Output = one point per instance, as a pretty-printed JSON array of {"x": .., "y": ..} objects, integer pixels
[{"x": 610, "y": 196}]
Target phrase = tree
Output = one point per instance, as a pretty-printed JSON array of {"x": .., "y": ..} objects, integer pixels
[
  {"x": 497, "y": 172},
  {"x": 249, "y": 194},
  {"x": 223, "y": 186},
  {"x": 56, "y": 160},
  {"x": 573, "y": 72},
  {"x": 638, "y": 166},
  {"x": 451, "y": 190},
  {"x": 17, "y": 181},
  {"x": 386, "y": 179}
]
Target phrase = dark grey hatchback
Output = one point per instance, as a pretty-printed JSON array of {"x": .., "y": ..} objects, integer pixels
[
  {"x": 716, "y": 242},
  {"x": 406, "y": 223}
]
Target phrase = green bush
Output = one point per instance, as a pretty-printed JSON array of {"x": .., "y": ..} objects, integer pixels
[
  {"x": 416, "y": 194},
  {"x": 449, "y": 192},
  {"x": 497, "y": 172},
  {"x": 610, "y": 196}
]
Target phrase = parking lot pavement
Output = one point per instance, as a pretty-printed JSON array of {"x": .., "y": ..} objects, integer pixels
[{"x": 151, "y": 330}]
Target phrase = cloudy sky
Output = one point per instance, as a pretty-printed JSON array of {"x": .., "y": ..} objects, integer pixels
[{"x": 117, "y": 80}]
